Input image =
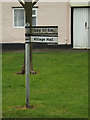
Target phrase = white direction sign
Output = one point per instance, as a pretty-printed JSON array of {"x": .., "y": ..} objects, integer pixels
[
  {"x": 44, "y": 30},
  {"x": 43, "y": 34},
  {"x": 43, "y": 39}
]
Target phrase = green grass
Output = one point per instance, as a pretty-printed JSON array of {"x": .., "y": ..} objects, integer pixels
[{"x": 58, "y": 90}]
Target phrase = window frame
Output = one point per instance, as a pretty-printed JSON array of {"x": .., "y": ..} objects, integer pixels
[{"x": 24, "y": 17}]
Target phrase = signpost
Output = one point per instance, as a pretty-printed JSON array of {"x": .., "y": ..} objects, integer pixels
[
  {"x": 44, "y": 34},
  {"x": 41, "y": 34}
]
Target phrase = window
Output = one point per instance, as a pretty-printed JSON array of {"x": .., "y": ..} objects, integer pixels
[{"x": 19, "y": 17}]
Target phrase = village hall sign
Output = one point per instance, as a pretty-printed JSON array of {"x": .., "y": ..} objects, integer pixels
[{"x": 43, "y": 34}]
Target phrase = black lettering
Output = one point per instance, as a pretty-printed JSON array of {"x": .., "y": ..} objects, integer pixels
[
  {"x": 49, "y": 39},
  {"x": 44, "y": 30},
  {"x": 37, "y": 30},
  {"x": 39, "y": 39},
  {"x": 50, "y": 30}
]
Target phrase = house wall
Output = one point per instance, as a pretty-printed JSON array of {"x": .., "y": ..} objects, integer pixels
[
  {"x": 56, "y": 13},
  {"x": 0, "y": 22},
  {"x": 9, "y": 33},
  {"x": 53, "y": 13}
]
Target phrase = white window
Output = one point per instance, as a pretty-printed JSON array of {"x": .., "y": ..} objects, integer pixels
[{"x": 19, "y": 17}]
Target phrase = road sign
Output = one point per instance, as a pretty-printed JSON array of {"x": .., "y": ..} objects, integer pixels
[
  {"x": 43, "y": 39},
  {"x": 43, "y": 34},
  {"x": 45, "y": 30}
]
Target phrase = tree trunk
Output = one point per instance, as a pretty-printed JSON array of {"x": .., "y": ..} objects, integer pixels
[
  {"x": 28, "y": 20},
  {"x": 22, "y": 71}
]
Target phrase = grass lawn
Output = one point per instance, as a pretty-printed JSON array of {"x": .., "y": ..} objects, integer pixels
[{"x": 58, "y": 90}]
